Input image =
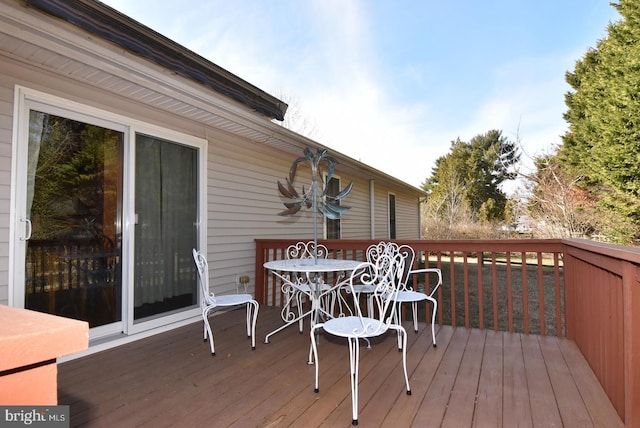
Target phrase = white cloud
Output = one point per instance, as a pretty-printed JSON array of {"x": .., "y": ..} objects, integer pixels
[{"x": 323, "y": 54}]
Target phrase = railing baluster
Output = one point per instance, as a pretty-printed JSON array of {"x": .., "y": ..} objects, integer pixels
[
  {"x": 494, "y": 282},
  {"x": 465, "y": 269},
  {"x": 541, "y": 293},
  {"x": 525, "y": 294},
  {"x": 509, "y": 294},
  {"x": 480, "y": 264},
  {"x": 452, "y": 276},
  {"x": 440, "y": 290}
]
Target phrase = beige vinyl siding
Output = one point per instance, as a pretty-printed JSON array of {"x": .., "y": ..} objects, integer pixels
[
  {"x": 244, "y": 202},
  {"x": 407, "y": 212},
  {"x": 407, "y": 216},
  {"x": 355, "y": 223},
  {"x": 381, "y": 204},
  {"x": 6, "y": 118}
]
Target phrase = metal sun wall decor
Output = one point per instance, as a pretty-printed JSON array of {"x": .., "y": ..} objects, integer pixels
[{"x": 316, "y": 197}]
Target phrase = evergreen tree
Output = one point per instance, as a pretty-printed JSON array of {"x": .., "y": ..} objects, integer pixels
[
  {"x": 473, "y": 172},
  {"x": 603, "y": 142}
]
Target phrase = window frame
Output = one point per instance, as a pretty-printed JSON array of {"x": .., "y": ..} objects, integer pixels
[
  {"x": 392, "y": 223},
  {"x": 330, "y": 223}
]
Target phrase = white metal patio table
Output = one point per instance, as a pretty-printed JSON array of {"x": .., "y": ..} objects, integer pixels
[{"x": 312, "y": 271}]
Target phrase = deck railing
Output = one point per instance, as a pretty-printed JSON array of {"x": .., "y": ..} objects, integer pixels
[
  {"x": 603, "y": 317},
  {"x": 586, "y": 291},
  {"x": 486, "y": 283}
]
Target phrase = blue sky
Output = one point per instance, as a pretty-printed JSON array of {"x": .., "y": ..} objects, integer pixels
[{"x": 392, "y": 83}]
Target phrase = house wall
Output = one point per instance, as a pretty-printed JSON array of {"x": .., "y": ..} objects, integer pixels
[
  {"x": 6, "y": 114},
  {"x": 407, "y": 216},
  {"x": 356, "y": 223},
  {"x": 242, "y": 196},
  {"x": 407, "y": 212}
]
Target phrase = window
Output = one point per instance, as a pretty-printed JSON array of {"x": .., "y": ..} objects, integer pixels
[
  {"x": 333, "y": 226},
  {"x": 392, "y": 216}
]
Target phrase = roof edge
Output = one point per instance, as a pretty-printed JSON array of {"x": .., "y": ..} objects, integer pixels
[{"x": 116, "y": 27}]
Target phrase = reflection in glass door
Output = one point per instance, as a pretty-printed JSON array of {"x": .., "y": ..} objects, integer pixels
[
  {"x": 166, "y": 205},
  {"x": 74, "y": 206}
]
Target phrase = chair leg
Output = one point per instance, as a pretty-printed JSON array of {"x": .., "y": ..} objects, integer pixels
[
  {"x": 402, "y": 333},
  {"x": 398, "y": 319},
  {"x": 249, "y": 306},
  {"x": 256, "y": 308},
  {"x": 207, "y": 329},
  {"x": 313, "y": 353},
  {"x": 300, "y": 311},
  {"x": 354, "y": 360},
  {"x": 252, "y": 314},
  {"x": 414, "y": 307},
  {"x": 433, "y": 321},
  {"x": 404, "y": 360}
]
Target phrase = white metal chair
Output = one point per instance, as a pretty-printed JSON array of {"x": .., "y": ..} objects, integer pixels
[
  {"x": 372, "y": 254},
  {"x": 383, "y": 277},
  {"x": 302, "y": 287},
  {"x": 407, "y": 294},
  {"x": 210, "y": 301}
]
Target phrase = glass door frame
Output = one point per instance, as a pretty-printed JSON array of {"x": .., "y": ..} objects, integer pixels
[
  {"x": 200, "y": 145},
  {"x": 26, "y": 99}
]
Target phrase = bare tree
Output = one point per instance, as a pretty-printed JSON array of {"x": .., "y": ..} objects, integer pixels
[
  {"x": 559, "y": 207},
  {"x": 447, "y": 208},
  {"x": 295, "y": 120}
]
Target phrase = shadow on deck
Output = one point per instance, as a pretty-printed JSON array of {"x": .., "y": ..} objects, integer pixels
[{"x": 473, "y": 378}]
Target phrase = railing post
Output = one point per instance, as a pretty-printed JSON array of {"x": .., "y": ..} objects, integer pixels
[
  {"x": 631, "y": 293},
  {"x": 259, "y": 270},
  {"x": 569, "y": 296}
]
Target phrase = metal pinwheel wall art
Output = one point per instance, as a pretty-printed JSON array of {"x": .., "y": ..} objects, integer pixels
[{"x": 316, "y": 196}]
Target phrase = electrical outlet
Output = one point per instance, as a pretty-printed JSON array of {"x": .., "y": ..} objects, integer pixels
[{"x": 242, "y": 281}]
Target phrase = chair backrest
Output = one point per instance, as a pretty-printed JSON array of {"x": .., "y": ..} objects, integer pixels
[
  {"x": 374, "y": 251},
  {"x": 391, "y": 248},
  {"x": 306, "y": 250},
  {"x": 409, "y": 255},
  {"x": 384, "y": 277},
  {"x": 203, "y": 276}
]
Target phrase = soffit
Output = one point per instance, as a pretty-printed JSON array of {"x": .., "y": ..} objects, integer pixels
[
  {"x": 107, "y": 23},
  {"x": 96, "y": 64}
]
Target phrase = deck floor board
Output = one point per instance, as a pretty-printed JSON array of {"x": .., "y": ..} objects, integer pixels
[{"x": 474, "y": 378}]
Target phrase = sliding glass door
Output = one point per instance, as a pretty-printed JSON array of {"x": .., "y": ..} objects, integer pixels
[
  {"x": 73, "y": 209},
  {"x": 106, "y": 216},
  {"x": 166, "y": 204}
]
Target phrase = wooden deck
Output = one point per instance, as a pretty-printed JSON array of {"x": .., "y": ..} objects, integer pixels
[{"x": 474, "y": 378}]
